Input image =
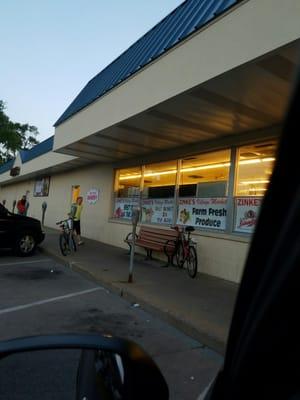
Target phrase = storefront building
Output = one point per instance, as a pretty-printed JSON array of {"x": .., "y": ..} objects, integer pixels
[{"x": 184, "y": 124}]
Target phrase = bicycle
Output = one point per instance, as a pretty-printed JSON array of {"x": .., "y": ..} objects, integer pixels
[
  {"x": 186, "y": 250},
  {"x": 67, "y": 241}
]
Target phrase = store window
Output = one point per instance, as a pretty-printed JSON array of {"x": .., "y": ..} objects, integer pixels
[
  {"x": 254, "y": 168},
  {"x": 127, "y": 191},
  {"x": 41, "y": 187},
  {"x": 158, "y": 192},
  {"x": 203, "y": 190},
  {"x": 202, "y": 183},
  {"x": 205, "y": 175}
]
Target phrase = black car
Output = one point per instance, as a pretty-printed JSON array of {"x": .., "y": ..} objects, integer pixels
[{"x": 20, "y": 233}]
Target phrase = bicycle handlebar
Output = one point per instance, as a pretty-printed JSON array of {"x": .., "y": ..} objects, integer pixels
[
  {"x": 61, "y": 222},
  {"x": 183, "y": 228}
]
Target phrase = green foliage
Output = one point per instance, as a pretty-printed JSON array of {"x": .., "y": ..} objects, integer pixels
[{"x": 14, "y": 136}]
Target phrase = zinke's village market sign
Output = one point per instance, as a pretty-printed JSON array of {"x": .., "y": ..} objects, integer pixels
[{"x": 203, "y": 212}]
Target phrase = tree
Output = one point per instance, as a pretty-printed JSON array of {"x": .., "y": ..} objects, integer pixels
[{"x": 14, "y": 136}]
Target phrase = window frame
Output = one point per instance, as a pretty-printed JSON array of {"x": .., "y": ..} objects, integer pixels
[{"x": 231, "y": 195}]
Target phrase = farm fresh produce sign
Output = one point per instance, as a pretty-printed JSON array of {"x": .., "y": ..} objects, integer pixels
[{"x": 207, "y": 213}]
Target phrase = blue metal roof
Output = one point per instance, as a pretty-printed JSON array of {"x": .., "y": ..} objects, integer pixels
[
  {"x": 7, "y": 166},
  {"x": 186, "y": 19},
  {"x": 27, "y": 155},
  {"x": 37, "y": 150}
]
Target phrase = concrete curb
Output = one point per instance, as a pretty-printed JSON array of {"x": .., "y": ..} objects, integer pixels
[{"x": 184, "y": 326}]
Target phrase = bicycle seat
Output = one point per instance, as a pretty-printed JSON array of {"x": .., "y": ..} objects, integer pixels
[{"x": 189, "y": 229}]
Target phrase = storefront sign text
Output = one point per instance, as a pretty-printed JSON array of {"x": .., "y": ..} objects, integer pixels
[
  {"x": 124, "y": 206},
  {"x": 158, "y": 211},
  {"x": 246, "y": 213},
  {"x": 207, "y": 213}
]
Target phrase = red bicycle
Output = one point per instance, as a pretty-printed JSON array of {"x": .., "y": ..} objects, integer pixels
[{"x": 186, "y": 250}]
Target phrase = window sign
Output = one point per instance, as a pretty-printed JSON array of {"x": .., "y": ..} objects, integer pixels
[
  {"x": 124, "y": 206},
  {"x": 41, "y": 187},
  {"x": 208, "y": 213},
  {"x": 159, "y": 211},
  {"x": 246, "y": 213}
]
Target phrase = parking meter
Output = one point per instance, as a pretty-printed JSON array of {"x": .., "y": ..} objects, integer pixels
[
  {"x": 44, "y": 208},
  {"x": 135, "y": 217},
  {"x": 14, "y": 206}
]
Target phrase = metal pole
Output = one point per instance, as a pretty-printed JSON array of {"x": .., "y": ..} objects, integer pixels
[
  {"x": 231, "y": 188},
  {"x": 132, "y": 250},
  {"x": 135, "y": 219},
  {"x": 176, "y": 193}
]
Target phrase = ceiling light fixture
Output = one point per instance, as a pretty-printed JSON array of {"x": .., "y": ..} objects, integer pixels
[
  {"x": 256, "y": 160},
  {"x": 199, "y": 168},
  {"x": 257, "y": 190},
  {"x": 254, "y": 182}
]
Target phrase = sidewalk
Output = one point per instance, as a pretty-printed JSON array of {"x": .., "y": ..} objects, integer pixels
[{"x": 200, "y": 307}]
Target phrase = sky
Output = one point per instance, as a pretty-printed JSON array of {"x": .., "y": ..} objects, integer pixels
[{"x": 50, "y": 49}]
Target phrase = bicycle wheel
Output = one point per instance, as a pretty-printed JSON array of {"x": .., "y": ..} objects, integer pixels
[
  {"x": 63, "y": 244},
  {"x": 73, "y": 244},
  {"x": 192, "y": 262},
  {"x": 180, "y": 255}
]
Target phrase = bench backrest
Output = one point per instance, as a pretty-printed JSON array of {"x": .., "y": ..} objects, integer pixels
[{"x": 157, "y": 235}]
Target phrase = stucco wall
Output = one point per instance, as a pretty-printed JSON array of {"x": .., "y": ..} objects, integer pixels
[
  {"x": 218, "y": 256},
  {"x": 221, "y": 257},
  {"x": 15, "y": 192}
]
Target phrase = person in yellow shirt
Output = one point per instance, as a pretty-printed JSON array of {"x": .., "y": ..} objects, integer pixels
[{"x": 76, "y": 215}]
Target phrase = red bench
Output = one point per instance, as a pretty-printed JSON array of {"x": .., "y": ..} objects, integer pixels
[{"x": 156, "y": 239}]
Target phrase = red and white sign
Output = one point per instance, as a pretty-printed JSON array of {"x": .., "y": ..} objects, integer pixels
[
  {"x": 124, "y": 207},
  {"x": 92, "y": 196},
  {"x": 246, "y": 213}
]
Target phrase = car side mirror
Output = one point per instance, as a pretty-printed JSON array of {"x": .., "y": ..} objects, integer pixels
[{"x": 81, "y": 367}]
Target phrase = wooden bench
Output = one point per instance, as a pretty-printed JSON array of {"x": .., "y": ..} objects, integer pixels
[{"x": 156, "y": 239}]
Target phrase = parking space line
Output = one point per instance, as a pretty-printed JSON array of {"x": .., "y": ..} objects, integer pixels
[
  {"x": 26, "y": 262},
  {"x": 50, "y": 300}
]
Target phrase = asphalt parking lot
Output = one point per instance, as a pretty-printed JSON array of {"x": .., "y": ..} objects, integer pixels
[{"x": 40, "y": 296}]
